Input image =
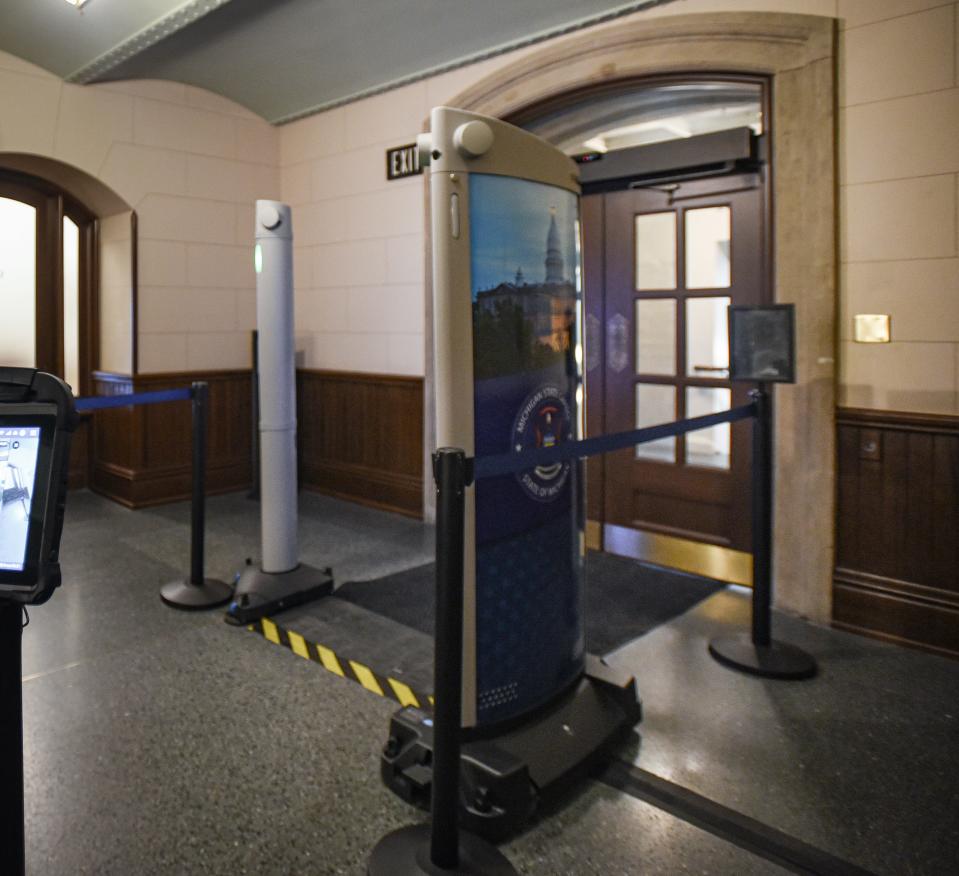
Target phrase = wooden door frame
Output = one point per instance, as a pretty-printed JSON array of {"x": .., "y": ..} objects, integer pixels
[
  {"x": 52, "y": 205},
  {"x": 682, "y": 479},
  {"x": 798, "y": 53}
]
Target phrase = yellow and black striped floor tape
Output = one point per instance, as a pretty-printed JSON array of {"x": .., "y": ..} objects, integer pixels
[{"x": 352, "y": 670}]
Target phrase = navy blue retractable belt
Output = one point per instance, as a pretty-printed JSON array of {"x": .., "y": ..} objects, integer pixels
[
  {"x": 512, "y": 463},
  {"x": 99, "y": 402}
]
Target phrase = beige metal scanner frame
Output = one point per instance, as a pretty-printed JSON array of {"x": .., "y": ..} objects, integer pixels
[{"x": 508, "y": 152}]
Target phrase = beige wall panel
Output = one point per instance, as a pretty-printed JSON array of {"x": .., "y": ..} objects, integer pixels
[
  {"x": 313, "y": 137},
  {"x": 154, "y": 89},
  {"x": 91, "y": 119},
  {"x": 165, "y": 217},
  {"x": 922, "y": 297},
  {"x": 322, "y": 310},
  {"x": 321, "y": 222},
  {"x": 236, "y": 181},
  {"x": 208, "y": 100},
  {"x": 900, "y": 219},
  {"x": 406, "y": 354},
  {"x": 295, "y": 186},
  {"x": 854, "y": 13},
  {"x": 244, "y": 226},
  {"x": 161, "y": 352},
  {"x": 303, "y": 257},
  {"x": 394, "y": 211},
  {"x": 404, "y": 259},
  {"x": 170, "y": 126},
  {"x": 350, "y": 173},
  {"x": 908, "y": 55},
  {"x": 900, "y": 377},
  {"x": 161, "y": 263},
  {"x": 209, "y": 265},
  {"x": 137, "y": 171},
  {"x": 904, "y": 137},
  {"x": 332, "y": 265},
  {"x": 172, "y": 309},
  {"x": 386, "y": 309},
  {"x": 384, "y": 117},
  {"x": 28, "y": 113},
  {"x": 344, "y": 351},
  {"x": 245, "y": 310},
  {"x": 211, "y": 350},
  {"x": 116, "y": 294},
  {"x": 257, "y": 141}
]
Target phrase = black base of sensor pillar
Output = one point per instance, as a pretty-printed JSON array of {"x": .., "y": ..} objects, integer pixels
[
  {"x": 259, "y": 594},
  {"x": 503, "y": 778}
]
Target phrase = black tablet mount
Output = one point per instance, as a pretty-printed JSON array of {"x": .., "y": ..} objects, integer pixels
[{"x": 35, "y": 408}]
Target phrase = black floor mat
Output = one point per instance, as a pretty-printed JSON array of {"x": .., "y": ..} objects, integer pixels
[{"x": 624, "y": 598}]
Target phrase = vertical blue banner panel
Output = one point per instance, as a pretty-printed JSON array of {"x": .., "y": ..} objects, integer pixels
[{"x": 525, "y": 265}]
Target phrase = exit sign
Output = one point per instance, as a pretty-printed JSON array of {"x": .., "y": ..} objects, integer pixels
[{"x": 402, "y": 161}]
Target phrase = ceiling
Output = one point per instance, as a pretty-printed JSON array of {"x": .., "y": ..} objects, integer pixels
[{"x": 284, "y": 59}]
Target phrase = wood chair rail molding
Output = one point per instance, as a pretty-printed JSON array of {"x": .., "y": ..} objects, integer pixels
[{"x": 797, "y": 53}]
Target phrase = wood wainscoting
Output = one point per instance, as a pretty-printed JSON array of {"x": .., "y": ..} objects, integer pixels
[
  {"x": 142, "y": 454},
  {"x": 897, "y": 551},
  {"x": 361, "y": 437}
]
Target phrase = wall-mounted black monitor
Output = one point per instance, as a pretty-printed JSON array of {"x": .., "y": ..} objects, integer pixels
[
  {"x": 37, "y": 417},
  {"x": 762, "y": 345}
]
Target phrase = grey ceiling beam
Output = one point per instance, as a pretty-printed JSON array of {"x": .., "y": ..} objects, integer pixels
[
  {"x": 476, "y": 57},
  {"x": 165, "y": 26}
]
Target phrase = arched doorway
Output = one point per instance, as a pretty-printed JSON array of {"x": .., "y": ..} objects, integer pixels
[
  {"x": 797, "y": 55},
  {"x": 49, "y": 289},
  {"x": 48, "y": 261},
  {"x": 675, "y": 218}
]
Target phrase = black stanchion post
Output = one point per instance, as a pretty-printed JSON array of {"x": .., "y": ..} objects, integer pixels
[
  {"x": 11, "y": 739},
  {"x": 762, "y": 519},
  {"x": 255, "y": 419},
  {"x": 759, "y": 654},
  {"x": 442, "y": 847},
  {"x": 197, "y": 592},
  {"x": 450, "y": 474}
]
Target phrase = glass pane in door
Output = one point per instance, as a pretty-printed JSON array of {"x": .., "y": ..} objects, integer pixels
[
  {"x": 655, "y": 404},
  {"x": 707, "y": 447},
  {"x": 18, "y": 283},
  {"x": 707, "y": 337},
  {"x": 656, "y": 251},
  {"x": 71, "y": 304},
  {"x": 656, "y": 336},
  {"x": 707, "y": 248}
]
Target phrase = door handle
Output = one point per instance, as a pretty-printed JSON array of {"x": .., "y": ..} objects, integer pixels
[{"x": 617, "y": 342}]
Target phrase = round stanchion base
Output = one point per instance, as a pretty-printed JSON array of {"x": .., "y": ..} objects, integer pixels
[
  {"x": 185, "y": 595},
  {"x": 406, "y": 852},
  {"x": 775, "y": 660}
]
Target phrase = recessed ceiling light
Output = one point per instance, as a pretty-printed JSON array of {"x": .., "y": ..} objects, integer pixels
[{"x": 77, "y": 3}]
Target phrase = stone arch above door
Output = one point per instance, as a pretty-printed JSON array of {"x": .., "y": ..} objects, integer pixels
[{"x": 797, "y": 52}]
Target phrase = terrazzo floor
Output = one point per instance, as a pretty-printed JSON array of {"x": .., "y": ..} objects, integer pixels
[{"x": 163, "y": 742}]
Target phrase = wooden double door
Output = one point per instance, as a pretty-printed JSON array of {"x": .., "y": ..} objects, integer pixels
[{"x": 662, "y": 264}]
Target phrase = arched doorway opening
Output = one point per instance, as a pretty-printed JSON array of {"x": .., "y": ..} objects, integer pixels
[
  {"x": 675, "y": 219},
  {"x": 48, "y": 280},
  {"x": 796, "y": 54}
]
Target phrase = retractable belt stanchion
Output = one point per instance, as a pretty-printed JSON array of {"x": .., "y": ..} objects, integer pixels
[
  {"x": 11, "y": 739},
  {"x": 758, "y": 653},
  {"x": 441, "y": 847},
  {"x": 197, "y": 591}
]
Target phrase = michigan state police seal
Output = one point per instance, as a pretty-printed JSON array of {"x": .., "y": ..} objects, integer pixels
[{"x": 544, "y": 420}]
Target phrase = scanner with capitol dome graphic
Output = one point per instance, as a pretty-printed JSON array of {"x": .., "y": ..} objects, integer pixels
[{"x": 507, "y": 314}]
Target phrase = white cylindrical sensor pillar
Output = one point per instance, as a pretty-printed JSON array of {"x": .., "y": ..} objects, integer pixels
[{"x": 277, "y": 386}]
